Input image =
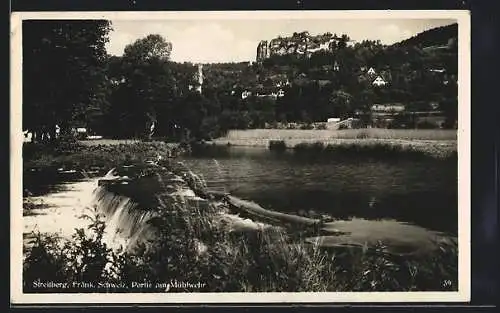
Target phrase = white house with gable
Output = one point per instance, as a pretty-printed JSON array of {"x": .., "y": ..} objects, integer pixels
[
  {"x": 379, "y": 81},
  {"x": 371, "y": 71}
]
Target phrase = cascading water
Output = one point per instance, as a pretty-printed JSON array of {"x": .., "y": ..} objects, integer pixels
[
  {"x": 125, "y": 217},
  {"x": 60, "y": 213},
  {"x": 126, "y": 221}
]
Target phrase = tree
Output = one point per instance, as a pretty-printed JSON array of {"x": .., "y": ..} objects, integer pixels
[
  {"x": 153, "y": 46},
  {"x": 190, "y": 112},
  {"x": 343, "y": 41},
  {"x": 145, "y": 90},
  {"x": 63, "y": 73},
  {"x": 341, "y": 104}
]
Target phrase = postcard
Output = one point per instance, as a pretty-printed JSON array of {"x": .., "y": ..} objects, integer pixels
[{"x": 240, "y": 157}]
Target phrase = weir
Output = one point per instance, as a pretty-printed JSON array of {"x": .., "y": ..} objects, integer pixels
[
  {"x": 128, "y": 199},
  {"x": 256, "y": 211},
  {"x": 126, "y": 222}
]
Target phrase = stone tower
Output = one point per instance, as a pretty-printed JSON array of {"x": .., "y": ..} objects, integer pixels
[
  {"x": 200, "y": 78},
  {"x": 262, "y": 51}
]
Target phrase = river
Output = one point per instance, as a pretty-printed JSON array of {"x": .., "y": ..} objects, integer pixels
[
  {"x": 396, "y": 200},
  {"x": 422, "y": 192}
]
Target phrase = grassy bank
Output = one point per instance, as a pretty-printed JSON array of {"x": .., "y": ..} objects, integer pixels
[
  {"x": 326, "y": 135},
  {"x": 359, "y": 142},
  {"x": 90, "y": 156},
  {"x": 195, "y": 244}
]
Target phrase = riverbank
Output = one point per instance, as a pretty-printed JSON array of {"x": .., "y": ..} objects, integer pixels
[
  {"x": 358, "y": 147},
  {"x": 434, "y": 143},
  {"x": 92, "y": 156},
  {"x": 325, "y": 135}
]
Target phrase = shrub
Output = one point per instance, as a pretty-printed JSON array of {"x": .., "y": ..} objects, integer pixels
[
  {"x": 86, "y": 258},
  {"x": 309, "y": 148},
  {"x": 321, "y": 126},
  {"x": 427, "y": 125},
  {"x": 277, "y": 145}
]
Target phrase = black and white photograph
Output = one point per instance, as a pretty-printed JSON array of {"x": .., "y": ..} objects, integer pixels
[{"x": 200, "y": 157}]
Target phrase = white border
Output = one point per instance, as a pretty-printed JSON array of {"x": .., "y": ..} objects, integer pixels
[{"x": 463, "y": 295}]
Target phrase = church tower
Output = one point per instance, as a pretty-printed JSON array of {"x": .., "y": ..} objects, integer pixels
[{"x": 200, "y": 78}]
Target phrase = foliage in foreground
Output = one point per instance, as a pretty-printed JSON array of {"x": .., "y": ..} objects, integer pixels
[{"x": 191, "y": 243}]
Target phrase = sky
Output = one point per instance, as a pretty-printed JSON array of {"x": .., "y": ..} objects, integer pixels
[{"x": 236, "y": 40}]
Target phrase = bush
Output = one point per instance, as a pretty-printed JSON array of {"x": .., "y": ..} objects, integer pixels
[
  {"x": 277, "y": 145},
  {"x": 381, "y": 150},
  {"x": 85, "y": 258},
  {"x": 321, "y": 126},
  {"x": 427, "y": 125},
  {"x": 305, "y": 147}
]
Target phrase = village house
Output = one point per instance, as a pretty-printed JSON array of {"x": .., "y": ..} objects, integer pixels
[
  {"x": 371, "y": 71},
  {"x": 383, "y": 114},
  {"x": 377, "y": 79},
  {"x": 336, "y": 123},
  {"x": 282, "y": 82},
  {"x": 379, "y": 82},
  {"x": 333, "y": 120},
  {"x": 387, "y": 108}
]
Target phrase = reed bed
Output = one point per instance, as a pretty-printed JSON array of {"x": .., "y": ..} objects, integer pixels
[
  {"x": 362, "y": 142},
  {"x": 376, "y": 149},
  {"x": 325, "y": 135},
  {"x": 367, "y": 148}
]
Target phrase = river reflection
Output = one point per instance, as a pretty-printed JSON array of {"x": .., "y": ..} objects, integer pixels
[{"x": 422, "y": 192}]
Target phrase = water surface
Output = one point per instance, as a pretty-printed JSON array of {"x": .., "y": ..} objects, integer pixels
[{"x": 421, "y": 192}]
